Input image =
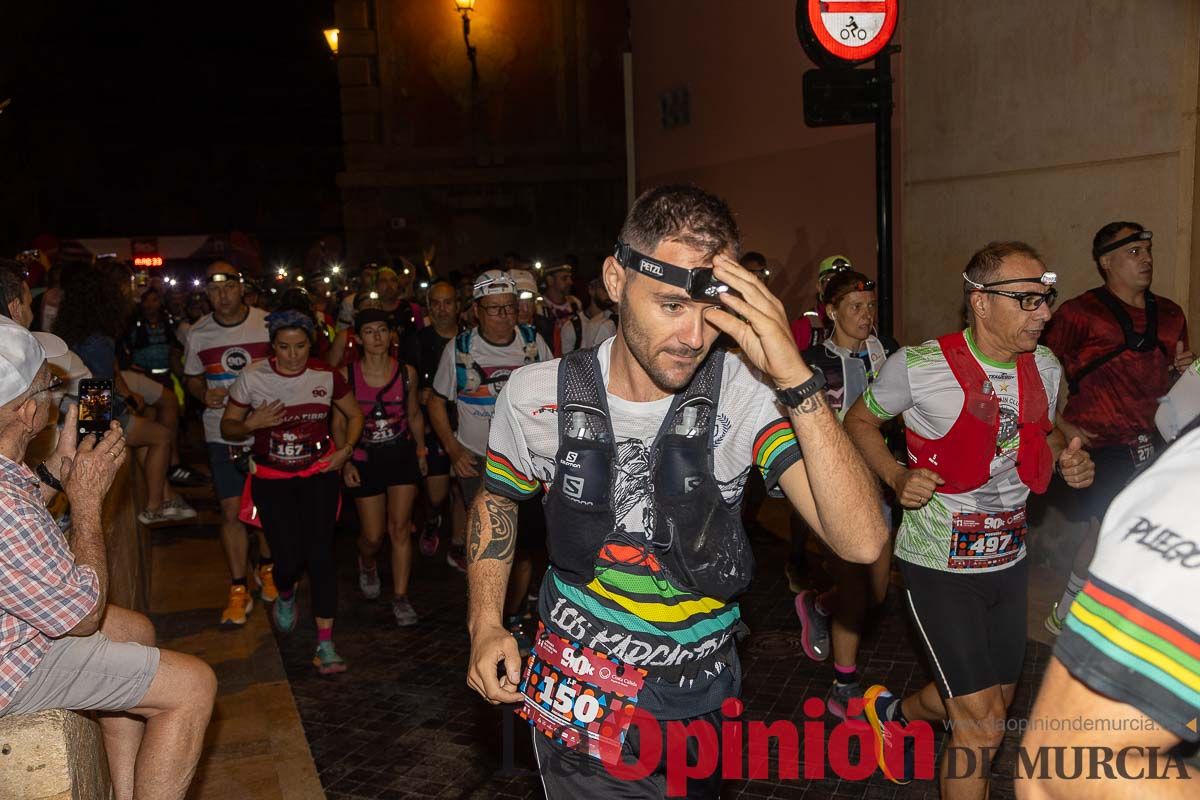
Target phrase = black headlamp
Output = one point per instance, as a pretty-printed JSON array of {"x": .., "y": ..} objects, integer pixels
[
  {"x": 699, "y": 283},
  {"x": 1140, "y": 236}
]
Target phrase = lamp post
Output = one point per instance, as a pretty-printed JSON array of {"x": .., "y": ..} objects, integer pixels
[
  {"x": 464, "y": 8},
  {"x": 331, "y": 38}
]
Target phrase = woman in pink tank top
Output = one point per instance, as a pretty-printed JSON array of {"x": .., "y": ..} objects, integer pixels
[{"x": 389, "y": 461}]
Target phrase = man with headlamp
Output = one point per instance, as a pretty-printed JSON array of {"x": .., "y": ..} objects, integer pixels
[
  {"x": 979, "y": 408},
  {"x": 1122, "y": 347},
  {"x": 641, "y": 447},
  {"x": 219, "y": 347}
]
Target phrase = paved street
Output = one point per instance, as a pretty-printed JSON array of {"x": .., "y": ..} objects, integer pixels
[{"x": 402, "y": 722}]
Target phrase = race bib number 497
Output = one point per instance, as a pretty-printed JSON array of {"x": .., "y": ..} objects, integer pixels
[{"x": 983, "y": 541}]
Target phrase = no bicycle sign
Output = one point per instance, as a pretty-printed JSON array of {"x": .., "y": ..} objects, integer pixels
[{"x": 845, "y": 32}]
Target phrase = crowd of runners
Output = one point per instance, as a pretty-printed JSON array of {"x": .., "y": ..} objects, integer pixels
[{"x": 592, "y": 454}]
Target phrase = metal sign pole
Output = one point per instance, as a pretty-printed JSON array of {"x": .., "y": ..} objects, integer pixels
[{"x": 883, "y": 189}]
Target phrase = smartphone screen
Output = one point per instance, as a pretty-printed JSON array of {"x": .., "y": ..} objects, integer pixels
[{"x": 95, "y": 406}]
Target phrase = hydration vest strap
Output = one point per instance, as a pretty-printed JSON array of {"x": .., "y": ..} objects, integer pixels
[
  {"x": 702, "y": 391},
  {"x": 1142, "y": 342},
  {"x": 581, "y": 388}
]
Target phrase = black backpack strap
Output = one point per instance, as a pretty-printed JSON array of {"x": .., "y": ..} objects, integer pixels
[
  {"x": 581, "y": 388},
  {"x": 703, "y": 392},
  {"x": 1130, "y": 339},
  {"x": 577, "y": 324}
]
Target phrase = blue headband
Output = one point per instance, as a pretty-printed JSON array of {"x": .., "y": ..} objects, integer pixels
[{"x": 289, "y": 318}]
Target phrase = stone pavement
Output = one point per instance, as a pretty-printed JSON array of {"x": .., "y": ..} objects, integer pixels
[
  {"x": 254, "y": 747},
  {"x": 402, "y": 722}
]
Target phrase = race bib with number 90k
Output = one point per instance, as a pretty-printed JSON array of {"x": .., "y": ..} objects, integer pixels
[
  {"x": 579, "y": 697},
  {"x": 982, "y": 541}
]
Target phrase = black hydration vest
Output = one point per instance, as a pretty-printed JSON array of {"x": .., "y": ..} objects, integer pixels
[
  {"x": 698, "y": 538},
  {"x": 1143, "y": 342}
]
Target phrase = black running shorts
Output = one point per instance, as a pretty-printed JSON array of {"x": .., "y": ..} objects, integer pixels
[{"x": 972, "y": 626}]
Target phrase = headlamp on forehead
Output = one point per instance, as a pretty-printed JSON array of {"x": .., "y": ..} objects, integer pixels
[
  {"x": 1140, "y": 236},
  {"x": 1046, "y": 279},
  {"x": 224, "y": 277},
  {"x": 699, "y": 283}
]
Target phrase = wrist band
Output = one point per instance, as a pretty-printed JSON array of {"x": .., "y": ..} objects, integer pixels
[{"x": 45, "y": 476}]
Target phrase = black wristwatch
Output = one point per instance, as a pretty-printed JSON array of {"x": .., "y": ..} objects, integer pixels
[
  {"x": 45, "y": 477},
  {"x": 796, "y": 395}
]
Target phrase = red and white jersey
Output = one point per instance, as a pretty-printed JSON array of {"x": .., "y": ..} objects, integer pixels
[
  {"x": 220, "y": 353},
  {"x": 303, "y": 435}
]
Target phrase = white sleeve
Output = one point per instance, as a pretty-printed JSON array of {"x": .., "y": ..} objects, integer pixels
[
  {"x": 191, "y": 358},
  {"x": 890, "y": 395},
  {"x": 509, "y": 470},
  {"x": 445, "y": 382},
  {"x": 544, "y": 353},
  {"x": 239, "y": 391},
  {"x": 1181, "y": 405}
]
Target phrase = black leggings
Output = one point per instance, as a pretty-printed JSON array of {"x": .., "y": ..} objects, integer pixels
[{"x": 298, "y": 517}]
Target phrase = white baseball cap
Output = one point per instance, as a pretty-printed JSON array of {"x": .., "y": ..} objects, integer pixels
[
  {"x": 494, "y": 281},
  {"x": 21, "y": 357},
  {"x": 524, "y": 282}
]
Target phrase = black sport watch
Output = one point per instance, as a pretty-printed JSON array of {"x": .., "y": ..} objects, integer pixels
[{"x": 796, "y": 395}]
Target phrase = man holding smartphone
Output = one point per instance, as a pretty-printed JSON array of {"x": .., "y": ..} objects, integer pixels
[
  {"x": 220, "y": 346},
  {"x": 61, "y": 644}
]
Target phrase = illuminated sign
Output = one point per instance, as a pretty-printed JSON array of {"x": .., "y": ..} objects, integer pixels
[
  {"x": 147, "y": 261},
  {"x": 845, "y": 32}
]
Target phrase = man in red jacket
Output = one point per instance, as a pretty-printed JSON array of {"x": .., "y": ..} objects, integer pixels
[{"x": 1121, "y": 347}]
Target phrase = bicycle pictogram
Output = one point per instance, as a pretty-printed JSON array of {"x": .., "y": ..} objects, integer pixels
[{"x": 852, "y": 29}]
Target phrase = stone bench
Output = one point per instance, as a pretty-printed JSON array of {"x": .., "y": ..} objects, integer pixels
[
  {"x": 54, "y": 755},
  {"x": 60, "y": 754}
]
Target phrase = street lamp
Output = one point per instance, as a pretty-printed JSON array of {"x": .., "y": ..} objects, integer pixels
[
  {"x": 331, "y": 38},
  {"x": 465, "y": 7}
]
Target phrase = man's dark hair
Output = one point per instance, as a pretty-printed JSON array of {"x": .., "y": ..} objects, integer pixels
[
  {"x": 12, "y": 278},
  {"x": 681, "y": 213},
  {"x": 753, "y": 257},
  {"x": 1106, "y": 236},
  {"x": 985, "y": 264}
]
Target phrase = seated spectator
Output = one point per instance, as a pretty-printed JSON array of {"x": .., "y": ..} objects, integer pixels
[
  {"x": 91, "y": 316},
  {"x": 16, "y": 300},
  {"x": 151, "y": 354},
  {"x": 61, "y": 644}
]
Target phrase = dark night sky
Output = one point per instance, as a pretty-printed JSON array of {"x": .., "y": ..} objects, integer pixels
[{"x": 142, "y": 118}]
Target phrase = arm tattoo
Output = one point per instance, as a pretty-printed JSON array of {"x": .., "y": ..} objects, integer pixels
[
  {"x": 495, "y": 537},
  {"x": 811, "y": 404}
]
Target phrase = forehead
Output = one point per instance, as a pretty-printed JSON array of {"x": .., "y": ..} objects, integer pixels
[
  {"x": 496, "y": 299},
  {"x": 1130, "y": 232},
  {"x": 443, "y": 291},
  {"x": 1020, "y": 265},
  {"x": 377, "y": 326},
  {"x": 858, "y": 297},
  {"x": 292, "y": 335}
]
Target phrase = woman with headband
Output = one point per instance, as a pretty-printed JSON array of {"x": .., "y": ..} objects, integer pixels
[
  {"x": 286, "y": 403},
  {"x": 850, "y": 359},
  {"x": 390, "y": 459}
]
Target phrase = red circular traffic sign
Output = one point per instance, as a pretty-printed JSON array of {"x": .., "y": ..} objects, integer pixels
[{"x": 851, "y": 31}]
